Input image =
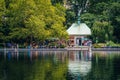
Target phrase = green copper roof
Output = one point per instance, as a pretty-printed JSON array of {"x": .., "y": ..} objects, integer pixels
[{"x": 79, "y": 29}]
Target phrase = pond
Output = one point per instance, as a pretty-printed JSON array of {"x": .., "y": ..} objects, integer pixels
[{"x": 59, "y": 65}]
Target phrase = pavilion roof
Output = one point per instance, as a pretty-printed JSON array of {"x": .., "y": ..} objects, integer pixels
[{"x": 79, "y": 29}]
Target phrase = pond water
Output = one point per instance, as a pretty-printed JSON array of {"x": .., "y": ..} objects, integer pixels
[{"x": 59, "y": 65}]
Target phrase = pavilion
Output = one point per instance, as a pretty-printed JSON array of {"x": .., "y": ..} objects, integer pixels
[{"x": 78, "y": 34}]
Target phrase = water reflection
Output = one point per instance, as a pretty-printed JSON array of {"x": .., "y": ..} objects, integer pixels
[
  {"x": 105, "y": 66},
  {"x": 44, "y": 65},
  {"x": 79, "y": 64},
  {"x": 59, "y": 65},
  {"x": 32, "y": 55},
  {"x": 33, "y": 65}
]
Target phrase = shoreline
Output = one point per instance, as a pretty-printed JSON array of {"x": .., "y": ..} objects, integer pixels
[
  {"x": 61, "y": 49},
  {"x": 105, "y": 49}
]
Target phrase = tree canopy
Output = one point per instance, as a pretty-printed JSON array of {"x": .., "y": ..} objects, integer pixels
[
  {"x": 36, "y": 20},
  {"x": 97, "y": 14},
  {"x": 31, "y": 20}
]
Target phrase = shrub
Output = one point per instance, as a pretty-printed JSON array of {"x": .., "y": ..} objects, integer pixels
[{"x": 96, "y": 46}]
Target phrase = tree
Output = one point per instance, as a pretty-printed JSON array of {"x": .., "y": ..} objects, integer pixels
[
  {"x": 33, "y": 20},
  {"x": 102, "y": 30},
  {"x": 75, "y": 7},
  {"x": 88, "y": 18},
  {"x": 115, "y": 19},
  {"x": 2, "y": 20}
]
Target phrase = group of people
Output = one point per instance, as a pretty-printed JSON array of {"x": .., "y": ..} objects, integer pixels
[{"x": 11, "y": 45}]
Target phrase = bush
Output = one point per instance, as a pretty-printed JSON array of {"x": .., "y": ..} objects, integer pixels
[
  {"x": 62, "y": 46},
  {"x": 96, "y": 46},
  {"x": 99, "y": 45},
  {"x": 110, "y": 43}
]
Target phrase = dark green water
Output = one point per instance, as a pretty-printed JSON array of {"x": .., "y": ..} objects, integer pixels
[{"x": 59, "y": 65}]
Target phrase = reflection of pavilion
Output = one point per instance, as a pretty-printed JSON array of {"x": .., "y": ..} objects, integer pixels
[{"x": 79, "y": 63}]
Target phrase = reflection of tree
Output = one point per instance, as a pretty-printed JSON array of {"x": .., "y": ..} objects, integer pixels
[
  {"x": 50, "y": 66},
  {"x": 105, "y": 67},
  {"x": 116, "y": 67},
  {"x": 42, "y": 68}
]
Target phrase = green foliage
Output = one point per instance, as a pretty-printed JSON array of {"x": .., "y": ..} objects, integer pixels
[
  {"x": 88, "y": 18},
  {"x": 99, "y": 45},
  {"x": 112, "y": 44},
  {"x": 36, "y": 20},
  {"x": 102, "y": 30},
  {"x": 31, "y": 20},
  {"x": 115, "y": 19},
  {"x": 2, "y": 19},
  {"x": 104, "y": 12},
  {"x": 107, "y": 44},
  {"x": 70, "y": 18}
]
